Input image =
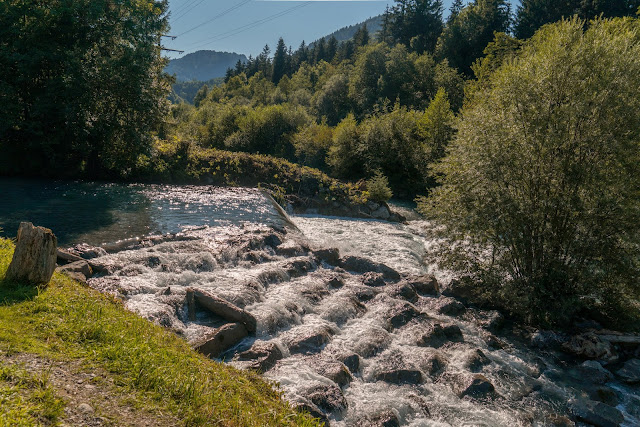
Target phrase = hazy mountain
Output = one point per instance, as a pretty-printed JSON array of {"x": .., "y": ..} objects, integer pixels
[
  {"x": 203, "y": 65},
  {"x": 346, "y": 33}
]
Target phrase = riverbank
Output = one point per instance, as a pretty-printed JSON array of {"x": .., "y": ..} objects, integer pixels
[
  {"x": 301, "y": 188},
  {"x": 69, "y": 354}
]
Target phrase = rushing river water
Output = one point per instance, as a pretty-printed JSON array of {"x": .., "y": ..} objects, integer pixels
[{"x": 357, "y": 349}]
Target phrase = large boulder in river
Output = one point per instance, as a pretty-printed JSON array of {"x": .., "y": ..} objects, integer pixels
[
  {"x": 363, "y": 265},
  {"x": 34, "y": 259},
  {"x": 630, "y": 372},
  {"x": 220, "y": 340},
  {"x": 262, "y": 355},
  {"x": 596, "y": 413},
  {"x": 476, "y": 386}
]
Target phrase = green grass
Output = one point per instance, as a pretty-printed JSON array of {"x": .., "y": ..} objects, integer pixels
[
  {"x": 68, "y": 321},
  {"x": 27, "y": 399}
]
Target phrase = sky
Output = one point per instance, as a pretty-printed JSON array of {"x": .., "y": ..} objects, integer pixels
[{"x": 245, "y": 26}]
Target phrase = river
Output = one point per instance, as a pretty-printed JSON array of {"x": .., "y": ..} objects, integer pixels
[{"x": 357, "y": 349}]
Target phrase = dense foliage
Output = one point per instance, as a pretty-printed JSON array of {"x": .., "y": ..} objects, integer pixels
[
  {"x": 540, "y": 187},
  {"x": 82, "y": 86}
]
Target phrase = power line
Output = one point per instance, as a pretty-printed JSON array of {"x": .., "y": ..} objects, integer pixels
[
  {"x": 184, "y": 6},
  {"x": 186, "y": 12},
  {"x": 247, "y": 27},
  {"x": 218, "y": 16}
]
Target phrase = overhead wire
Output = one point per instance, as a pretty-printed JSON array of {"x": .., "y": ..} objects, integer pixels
[
  {"x": 183, "y": 6},
  {"x": 186, "y": 12},
  {"x": 218, "y": 16},
  {"x": 247, "y": 27}
]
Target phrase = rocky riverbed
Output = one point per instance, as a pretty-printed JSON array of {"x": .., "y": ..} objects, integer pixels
[{"x": 355, "y": 341}]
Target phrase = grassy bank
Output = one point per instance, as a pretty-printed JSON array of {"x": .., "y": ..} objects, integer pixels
[
  {"x": 185, "y": 163},
  {"x": 144, "y": 366}
]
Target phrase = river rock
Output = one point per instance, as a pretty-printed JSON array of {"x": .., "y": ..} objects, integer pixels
[
  {"x": 476, "y": 360},
  {"x": 34, "y": 259},
  {"x": 371, "y": 342},
  {"x": 589, "y": 346},
  {"x": 263, "y": 355},
  {"x": 400, "y": 376},
  {"x": 402, "y": 313},
  {"x": 309, "y": 341},
  {"x": 450, "y": 306},
  {"x": 596, "y": 413},
  {"x": 382, "y": 212},
  {"x": 220, "y": 340},
  {"x": 434, "y": 365},
  {"x": 384, "y": 419},
  {"x": 335, "y": 282},
  {"x": 328, "y": 398},
  {"x": 363, "y": 265},
  {"x": 335, "y": 371},
  {"x": 312, "y": 410},
  {"x": 330, "y": 256},
  {"x": 591, "y": 371},
  {"x": 365, "y": 293},
  {"x": 437, "y": 335},
  {"x": 425, "y": 285},
  {"x": 85, "y": 251},
  {"x": 373, "y": 279},
  {"x": 351, "y": 361},
  {"x": 402, "y": 290},
  {"x": 290, "y": 249},
  {"x": 298, "y": 267},
  {"x": 223, "y": 308},
  {"x": 630, "y": 371},
  {"x": 79, "y": 270},
  {"x": 463, "y": 289},
  {"x": 476, "y": 386},
  {"x": 601, "y": 393}
]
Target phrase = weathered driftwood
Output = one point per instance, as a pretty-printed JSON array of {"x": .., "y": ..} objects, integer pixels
[{"x": 221, "y": 308}]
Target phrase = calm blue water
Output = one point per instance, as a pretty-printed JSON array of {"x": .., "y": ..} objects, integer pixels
[{"x": 95, "y": 213}]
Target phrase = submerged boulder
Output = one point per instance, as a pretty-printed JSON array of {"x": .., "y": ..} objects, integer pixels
[
  {"x": 437, "y": 335},
  {"x": 328, "y": 398},
  {"x": 383, "y": 419},
  {"x": 363, "y": 265},
  {"x": 34, "y": 259},
  {"x": 476, "y": 386},
  {"x": 425, "y": 285},
  {"x": 630, "y": 372},
  {"x": 596, "y": 413},
  {"x": 262, "y": 355}
]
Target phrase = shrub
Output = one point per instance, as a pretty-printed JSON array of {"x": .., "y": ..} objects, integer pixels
[
  {"x": 378, "y": 188},
  {"x": 540, "y": 186}
]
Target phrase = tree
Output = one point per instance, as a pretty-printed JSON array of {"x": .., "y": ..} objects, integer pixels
[
  {"x": 82, "y": 84},
  {"x": 361, "y": 38},
  {"x": 540, "y": 188},
  {"x": 279, "y": 62},
  {"x": 533, "y": 14},
  {"x": 416, "y": 24},
  {"x": 470, "y": 31},
  {"x": 201, "y": 95}
]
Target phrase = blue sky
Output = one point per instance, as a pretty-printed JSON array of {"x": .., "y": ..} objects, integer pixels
[{"x": 245, "y": 26}]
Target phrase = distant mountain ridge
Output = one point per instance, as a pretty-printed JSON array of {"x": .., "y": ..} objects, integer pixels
[
  {"x": 374, "y": 24},
  {"x": 203, "y": 65}
]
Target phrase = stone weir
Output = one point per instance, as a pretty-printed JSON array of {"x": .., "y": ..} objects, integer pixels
[{"x": 353, "y": 341}]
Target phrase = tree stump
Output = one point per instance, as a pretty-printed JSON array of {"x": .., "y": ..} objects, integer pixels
[{"x": 34, "y": 259}]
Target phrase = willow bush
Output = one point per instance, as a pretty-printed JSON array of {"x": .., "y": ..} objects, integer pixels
[{"x": 540, "y": 188}]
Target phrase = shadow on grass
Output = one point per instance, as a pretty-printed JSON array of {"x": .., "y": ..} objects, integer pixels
[{"x": 13, "y": 293}]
